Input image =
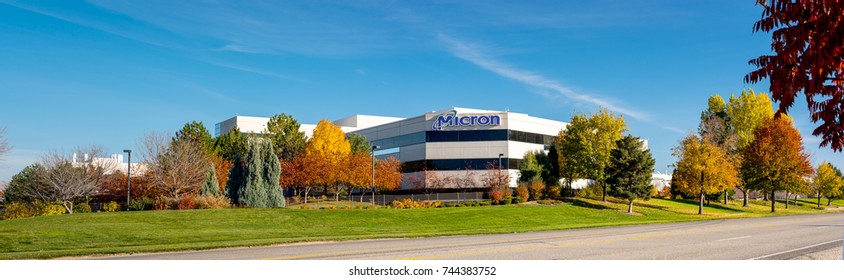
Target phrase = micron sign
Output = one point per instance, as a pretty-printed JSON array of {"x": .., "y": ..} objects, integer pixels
[{"x": 451, "y": 118}]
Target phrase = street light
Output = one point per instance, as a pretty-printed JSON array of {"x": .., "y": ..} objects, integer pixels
[
  {"x": 499, "y": 168},
  {"x": 372, "y": 153},
  {"x": 128, "y": 177}
]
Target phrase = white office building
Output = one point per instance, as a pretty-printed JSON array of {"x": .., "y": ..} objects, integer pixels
[{"x": 448, "y": 142}]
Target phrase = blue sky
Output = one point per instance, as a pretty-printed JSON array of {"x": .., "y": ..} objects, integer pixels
[{"x": 106, "y": 72}]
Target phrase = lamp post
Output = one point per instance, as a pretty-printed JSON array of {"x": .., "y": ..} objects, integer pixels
[
  {"x": 499, "y": 167},
  {"x": 372, "y": 153},
  {"x": 128, "y": 177}
]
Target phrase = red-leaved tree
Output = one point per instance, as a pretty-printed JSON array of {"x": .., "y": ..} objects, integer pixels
[{"x": 807, "y": 40}]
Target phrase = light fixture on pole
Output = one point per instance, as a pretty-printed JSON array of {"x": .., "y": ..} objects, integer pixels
[
  {"x": 372, "y": 153},
  {"x": 128, "y": 177}
]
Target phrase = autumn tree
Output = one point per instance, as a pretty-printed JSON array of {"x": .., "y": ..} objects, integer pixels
[
  {"x": 287, "y": 140},
  {"x": 177, "y": 168},
  {"x": 589, "y": 140},
  {"x": 775, "y": 159},
  {"x": 388, "y": 175},
  {"x": 630, "y": 170},
  {"x": 330, "y": 144},
  {"x": 808, "y": 58},
  {"x": 304, "y": 172},
  {"x": 827, "y": 183},
  {"x": 702, "y": 168},
  {"x": 745, "y": 113},
  {"x": 69, "y": 177}
]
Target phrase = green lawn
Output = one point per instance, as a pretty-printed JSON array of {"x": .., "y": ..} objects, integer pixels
[{"x": 149, "y": 231}]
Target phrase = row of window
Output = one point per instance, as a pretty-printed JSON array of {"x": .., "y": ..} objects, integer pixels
[
  {"x": 459, "y": 164},
  {"x": 464, "y": 136}
]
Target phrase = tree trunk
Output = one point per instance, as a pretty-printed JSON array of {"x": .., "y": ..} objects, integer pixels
[
  {"x": 786, "y": 199},
  {"x": 630, "y": 207},
  {"x": 700, "y": 207},
  {"x": 744, "y": 193},
  {"x": 773, "y": 201},
  {"x": 819, "y": 200},
  {"x": 725, "y": 196},
  {"x": 604, "y": 192},
  {"x": 828, "y": 201}
]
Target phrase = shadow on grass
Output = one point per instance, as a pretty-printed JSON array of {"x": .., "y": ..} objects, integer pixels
[
  {"x": 714, "y": 205},
  {"x": 586, "y": 204}
]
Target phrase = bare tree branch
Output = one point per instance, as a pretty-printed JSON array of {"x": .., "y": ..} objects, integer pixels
[
  {"x": 176, "y": 167},
  {"x": 4, "y": 144}
]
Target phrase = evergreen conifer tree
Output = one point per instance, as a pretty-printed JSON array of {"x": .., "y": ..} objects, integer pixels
[
  {"x": 254, "y": 191},
  {"x": 236, "y": 180},
  {"x": 211, "y": 186},
  {"x": 272, "y": 171}
]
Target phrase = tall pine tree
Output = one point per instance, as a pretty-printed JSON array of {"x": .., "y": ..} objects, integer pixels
[
  {"x": 272, "y": 171},
  {"x": 630, "y": 170},
  {"x": 211, "y": 186},
  {"x": 254, "y": 191}
]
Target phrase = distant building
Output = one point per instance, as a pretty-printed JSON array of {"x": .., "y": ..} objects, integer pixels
[{"x": 111, "y": 164}]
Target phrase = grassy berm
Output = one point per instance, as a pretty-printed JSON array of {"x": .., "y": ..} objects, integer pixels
[{"x": 152, "y": 231}]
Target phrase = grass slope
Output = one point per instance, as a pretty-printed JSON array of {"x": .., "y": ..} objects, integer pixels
[{"x": 151, "y": 231}]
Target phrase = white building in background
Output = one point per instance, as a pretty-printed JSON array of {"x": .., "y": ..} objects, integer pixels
[
  {"x": 447, "y": 142},
  {"x": 111, "y": 164}
]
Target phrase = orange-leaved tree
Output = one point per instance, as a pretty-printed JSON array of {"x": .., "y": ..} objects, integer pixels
[
  {"x": 330, "y": 145},
  {"x": 702, "y": 168},
  {"x": 775, "y": 160}
]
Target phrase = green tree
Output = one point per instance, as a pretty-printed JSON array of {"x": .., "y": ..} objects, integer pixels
[
  {"x": 237, "y": 179},
  {"x": 272, "y": 172},
  {"x": 211, "y": 187},
  {"x": 358, "y": 143},
  {"x": 630, "y": 170},
  {"x": 745, "y": 113},
  {"x": 196, "y": 132},
  {"x": 551, "y": 166},
  {"x": 254, "y": 191},
  {"x": 529, "y": 168},
  {"x": 26, "y": 184},
  {"x": 716, "y": 128},
  {"x": 232, "y": 144},
  {"x": 287, "y": 140},
  {"x": 589, "y": 142},
  {"x": 568, "y": 170}
]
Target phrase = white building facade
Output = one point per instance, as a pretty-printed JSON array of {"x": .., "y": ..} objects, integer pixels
[{"x": 449, "y": 142}]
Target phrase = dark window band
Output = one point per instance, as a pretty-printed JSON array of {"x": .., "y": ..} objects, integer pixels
[
  {"x": 458, "y": 164},
  {"x": 464, "y": 136}
]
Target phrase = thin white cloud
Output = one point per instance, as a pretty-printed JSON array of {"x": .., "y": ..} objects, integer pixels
[
  {"x": 472, "y": 54},
  {"x": 674, "y": 129},
  {"x": 252, "y": 70}
]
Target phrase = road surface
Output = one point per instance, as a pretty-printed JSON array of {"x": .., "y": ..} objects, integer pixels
[{"x": 789, "y": 237}]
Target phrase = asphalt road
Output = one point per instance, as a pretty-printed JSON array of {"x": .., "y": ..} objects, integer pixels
[{"x": 790, "y": 237}]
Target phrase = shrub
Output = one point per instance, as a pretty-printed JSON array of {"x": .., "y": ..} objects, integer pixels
[
  {"x": 496, "y": 195},
  {"x": 52, "y": 209},
  {"x": 359, "y": 207},
  {"x": 331, "y": 207},
  {"x": 347, "y": 207},
  {"x": 187, "y": 202},
  {"x": 517, "y": 200},
  {"x": 372, "y": 206},
  {"x": 16, "y": 210},
  {"x": 111, "y": 207},
  {"x": 212, "y": 202},
  {"x": 522, "y": 192},
  {"x": 553, "y": 191},
  {"x": 507, "y": 200},
  {"x": 141, "y": 204},
  {"x": 82, "y": 208},
  {"x": 407, "y": 203},
  {"x": 166, "y": 203},
  {"x": 485, "y": 203},
  {"x": 592, "y": 191},
  {"x": 304, "y": 206},
  {"x": 536, "y": 190}
]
